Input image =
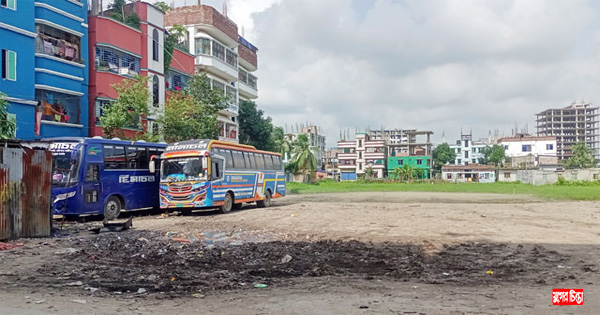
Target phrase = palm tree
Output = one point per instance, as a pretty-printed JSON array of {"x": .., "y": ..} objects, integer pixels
[
  {"x": 407, "y": 172},
  {"x": 283, "y": 143},
  {"x": 303, "y": 157}
]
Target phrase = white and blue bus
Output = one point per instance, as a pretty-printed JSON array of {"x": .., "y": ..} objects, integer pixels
[
  {"x": 209, "y": 173},
  {"x": 100, "y": 176}
]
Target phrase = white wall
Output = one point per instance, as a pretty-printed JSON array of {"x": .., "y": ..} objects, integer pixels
[
  {"x": 461, "y": 156},
  {"x": 538, "y": 147}
]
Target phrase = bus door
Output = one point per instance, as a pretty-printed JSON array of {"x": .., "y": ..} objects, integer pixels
[{"x": 92, "y": 189}]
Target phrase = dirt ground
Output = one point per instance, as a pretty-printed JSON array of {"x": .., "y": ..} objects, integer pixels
[{"x": 351, "y": 253}]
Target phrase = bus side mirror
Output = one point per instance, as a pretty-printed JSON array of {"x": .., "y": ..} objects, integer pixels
[{"x": 152, "y": 167}]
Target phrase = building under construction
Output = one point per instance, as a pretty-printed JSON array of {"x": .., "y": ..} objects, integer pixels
[
  {"x": 404, "y": 142},
  {"x": 575, "y": 123}
]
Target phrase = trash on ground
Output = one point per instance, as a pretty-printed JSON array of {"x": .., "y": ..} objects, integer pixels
[
  {"x": 286, "y": 259},
  {"x": 75, "y": 284},
  {"x": 7, "y": 246},
  {"x": 79, "y": 301},
  {"x": 260, "y": 285},
  {"x": 113, "y": 227}
]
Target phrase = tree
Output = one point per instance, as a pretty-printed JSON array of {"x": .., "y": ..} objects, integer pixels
[
  {"x": 282, "y": 143},
  {"x": 192, "y": 113},
  {"x": 118, "y": 13},
  {"x": 303, "y": 157},
  {"x": 494, "y": 154},
  {"x": 441, "y": 155},
  {"x": 175, "y": 37},
  {"x": 126, "y": 111},
  {"x": 255, "y": 129},
  {"x": 8, "y": 127},
  {"x": 369, "y": 172},
  {"x": 404, "y": 173},
  {"x": 583, "y": 156},
  {"x": 163, "y": 6},
  {"x": 419, "y": 173}
]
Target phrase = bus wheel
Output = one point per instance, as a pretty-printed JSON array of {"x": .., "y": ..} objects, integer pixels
[
  {"x": 265, "y": 202},
  {"x": 112, "y": 208},
  {"x": 227, "y": 204}
]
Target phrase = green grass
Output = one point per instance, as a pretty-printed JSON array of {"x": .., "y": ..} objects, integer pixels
[{"x": 545, "y": 192}]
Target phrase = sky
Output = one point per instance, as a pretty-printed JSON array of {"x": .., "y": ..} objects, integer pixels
[{"x": 443, "y": 66}]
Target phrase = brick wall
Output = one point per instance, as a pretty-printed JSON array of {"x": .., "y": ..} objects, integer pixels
[
  {"x": 248, "y": 55},
  {"x": 201, "y": 14}
]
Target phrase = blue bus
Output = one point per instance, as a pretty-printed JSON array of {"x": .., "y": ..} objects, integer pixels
[
  {"x": 101, "y": 176},
  {"x": 209, "y": 173}
]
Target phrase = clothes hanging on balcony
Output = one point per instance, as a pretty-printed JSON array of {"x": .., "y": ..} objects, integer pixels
[{"x": 48, "y": 47}]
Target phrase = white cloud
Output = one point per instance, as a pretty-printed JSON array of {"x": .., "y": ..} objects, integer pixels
[{"x": 435, "y": 65}]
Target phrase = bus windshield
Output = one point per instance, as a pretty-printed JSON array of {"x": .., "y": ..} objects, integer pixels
[
  {"x": 183, "y": 169},
  {"x": 64, "y": 170}
]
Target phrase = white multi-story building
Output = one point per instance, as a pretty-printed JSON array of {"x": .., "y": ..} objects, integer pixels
[
  {"x": 467, "y": 151},
  {"x": 355, "y": 157},
  {"x": 227, "y": 58},
  {"x": 316, "y": 142},
  {"x": 538, "y": 150}
]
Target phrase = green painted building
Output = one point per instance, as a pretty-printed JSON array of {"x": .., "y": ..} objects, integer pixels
[{"x": 417, "y": 162}]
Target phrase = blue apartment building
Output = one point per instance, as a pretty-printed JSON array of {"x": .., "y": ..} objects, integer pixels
[{"x": 44, "y": 48}]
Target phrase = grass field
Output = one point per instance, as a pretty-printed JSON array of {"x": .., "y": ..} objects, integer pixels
[{"x": 547, "y": 192}]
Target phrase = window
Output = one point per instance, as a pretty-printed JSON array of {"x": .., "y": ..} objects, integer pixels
[
  {"x": 231, "y": 58},
  {"x": 54, "y": 42},
  {"x": 231, "y": 131},
  {"x": 11, "y": 4},
  {"x": 116, "y": 61},
  {"x": 231, "y": 94},
  {"x": 268, "y": 162},
  {"x": 99, "y": 109},
  {"x": 9, "y": 65},
  {"x": 506, "y": 175},
  {"x": 506, "y": 147},
  {"x": 91, "y": 196},
  {"x": 260, "y": 161},
  {"x": 216, "y": 85},
  {"x": 243, "y": 75},
  {"x": 549, "y": 147},
  {"x": 228, "y": 158},
  {"x": 526, "y": 148},
  {"x": 360, "y": 166},
  {"x": 359, "y": 143},
  {"x": 278, "y": 166},
  {"x": 238, "y": 159},
  {"x": 218, "y": 50},
  {"x": 466, "y": 143},
  {"x": 114, "y": 157},
  {"x": 247, "y": 160},
  {"x": 137, "y": 158},
  {"x": 466, "y": 154},
  {"x": 59, "y": 107},
  {"x": 176, "y": 81},
  {"x": 155, "y": 40},
  {"x": 457, "y": 150},
  {"x": 92, "y": 173},
  {"x": 400, "y": 162},
  {"x": 449, "y": 176},
  {"x": 202, "y": 46},
  {"x": 474, "y": 150},
  {"x": 155, "y": 91},
  {"x": 459, "y": 161},
  {"x": 252, "y": 81},
  {"x": 486, "y": 176},
  {"x": 419, "y": 161},
  {"x": 359, "y": 155},
  {"x": 428, "y": 162},
  {"x": 474, "y": 161}
]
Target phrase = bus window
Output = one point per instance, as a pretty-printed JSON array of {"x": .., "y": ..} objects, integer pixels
[
  {"x": 91, "y": 174},
  {"x": 217, "y": 168},
  {"x": 277, "y": 162},
  {"x": 114, "y": 157},
  {"x": 260, "y": 161},
  {"x": 247, "y": 160},
  {"x": 238, "y": 159},
  {"x": 132, "y": 158},
  {"x": 144, "y": 160},
  {"x": 268, "y": 162},
  {"x": 228, "y": 159}
]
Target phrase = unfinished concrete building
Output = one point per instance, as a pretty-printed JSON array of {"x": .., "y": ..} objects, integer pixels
[
  {"x": 575, "y": 123},
  {"x": 402, "y": 142}
]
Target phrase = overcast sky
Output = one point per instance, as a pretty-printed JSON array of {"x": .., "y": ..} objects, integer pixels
[{"x": 436, "y": 65}]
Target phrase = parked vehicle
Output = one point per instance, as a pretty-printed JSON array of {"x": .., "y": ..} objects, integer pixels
[
  {"x": 102, "y": 176},
  {"x": 210, "y": 173}
]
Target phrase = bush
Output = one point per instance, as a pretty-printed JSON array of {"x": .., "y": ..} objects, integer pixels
[{"x": 580, "y": 183}]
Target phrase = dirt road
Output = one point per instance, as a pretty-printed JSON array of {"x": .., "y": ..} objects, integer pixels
[{"x": 355, "y": 253}]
